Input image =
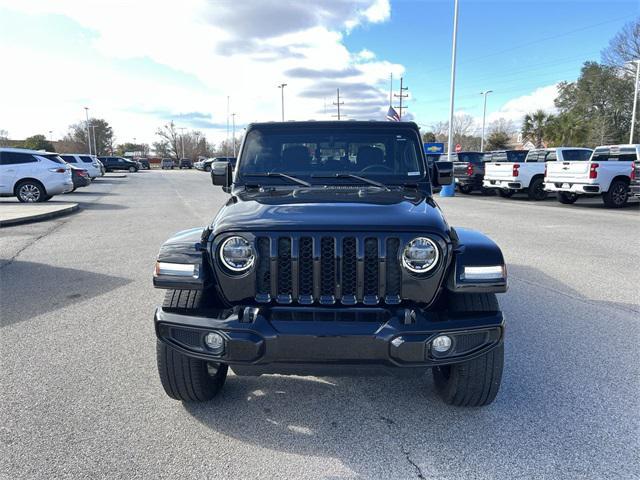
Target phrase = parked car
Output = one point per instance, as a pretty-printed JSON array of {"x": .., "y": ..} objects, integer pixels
[
  {"x": 102, "y": 169},
  {"x": 205, "y": 165},
  {"x": 144, "y": 163},
  {"x": 167, "y": 164},
  {"x": 333, "y": 264},
  {"x": 80, "y": 177},
  {"x": 33, "y": 176},
  {"x": 634, "y": 187},
  {"x": 468, "y": 171},
  {"x": 119, "y": 163},
  {"x": 186, "y": 163},
  {"x": 527, "y": 176},
  {"x": 607, "y": 172},
  {"x": 87, "y": 162}
]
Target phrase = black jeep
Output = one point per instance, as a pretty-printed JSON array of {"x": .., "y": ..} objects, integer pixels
[{"x": 331, "y": 257}]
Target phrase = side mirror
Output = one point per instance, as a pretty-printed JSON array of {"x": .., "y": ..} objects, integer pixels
[
  {"x": 222, "y": 174},
  {"x": 443, "y": 173}
]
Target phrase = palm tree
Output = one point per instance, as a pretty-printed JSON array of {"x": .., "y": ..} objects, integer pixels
[{"x": 534, "y": 127}]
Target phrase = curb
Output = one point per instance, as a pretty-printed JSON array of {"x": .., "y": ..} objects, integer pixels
[{"x": 40, "y": 216}]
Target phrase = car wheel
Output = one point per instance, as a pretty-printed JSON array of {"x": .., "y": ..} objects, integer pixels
[
  {"x": 182, "y": 377},
  {"x": 505, "y": 193},
  {"x": 536, "y": 190},
  {"x": 617, "y": 195},
  {"x": 466, "y": 189},
  {"x": 207, "y": 168},
  {"x": 132, "y": 169},
  {"x": 474, "y": 383},
  {"x": 567, "y": 198},
  {"x": 30, "y": 191},
  {"x": 487, "y": 191}
]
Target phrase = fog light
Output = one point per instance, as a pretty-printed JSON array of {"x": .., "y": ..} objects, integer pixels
[
  {"x": 214, "y": 342},
  {"x": 441, "y": 344}
]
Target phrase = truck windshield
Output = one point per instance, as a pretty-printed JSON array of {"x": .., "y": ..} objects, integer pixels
[{"x": 321, "y": 156}]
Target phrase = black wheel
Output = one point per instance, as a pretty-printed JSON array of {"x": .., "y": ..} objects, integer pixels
[
  {"x": 567, "y": 198},
  {"x": 466, "y": 189},
  {"x": 132, "y": 169},
  {"x": 474, "y": 383},
  {"x": 182, "y": 377},
  {"x": 207, "y": 168},
  {"x": 505, "y": 193},
  {"x": 30, "y": 191},
  {"x": 536, "y": 189},
  {"x": 617, "y": 195},
  {"x": 487, "y": 192}
]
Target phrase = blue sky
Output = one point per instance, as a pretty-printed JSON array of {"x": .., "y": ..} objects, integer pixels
[{"x": 140, "y": 65}]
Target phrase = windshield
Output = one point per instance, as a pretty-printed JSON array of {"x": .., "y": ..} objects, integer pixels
[{"x": 322, "y": 156}]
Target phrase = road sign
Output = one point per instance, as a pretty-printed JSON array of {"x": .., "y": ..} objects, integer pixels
[
  {"x": 434, "y": 148},
  {"x": 458, "y": 148}
]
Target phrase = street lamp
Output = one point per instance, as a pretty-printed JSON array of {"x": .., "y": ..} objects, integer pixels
[
  {"x": 95, "y": 145},
  {"x": 635, "y": 102},
  {"x": 281, "y": 87},
  {"x": 182, "y": 129},
  {"x": 449, "y": 190},
  {"x": 233, "y": 137},
  {"x": 86, "y": 111},
  {"x": 484, "y": 116}
]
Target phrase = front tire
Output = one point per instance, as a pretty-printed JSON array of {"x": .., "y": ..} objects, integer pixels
[
  {"x": 466, "y": 189},
  {"x": 617, "y": 195},
  {"x": 567, "y": 198},
  {"x": 474, "y": 383},
  {"x": 188, "y": 379},
  {"x": 505, "y": 193},
  {"x": 30, "y": 191},
  {"x": 133, "y": 169}
]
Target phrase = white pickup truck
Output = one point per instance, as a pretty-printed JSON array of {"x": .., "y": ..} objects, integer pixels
[
  {"x": 510, "y": 177},
  {"x": 607, "y": 172}
]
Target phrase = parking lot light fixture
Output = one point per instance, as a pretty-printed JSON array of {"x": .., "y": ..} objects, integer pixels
[
  {"x": 86, "y": 112},
  {"x": 484, "y": 116},
  {"x": 635, "y": 102}
]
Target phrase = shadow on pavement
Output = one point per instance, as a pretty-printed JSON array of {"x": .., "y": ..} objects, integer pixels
[
  {"x": 28, "y": 289},
  {"x": 562, "y": 412}
]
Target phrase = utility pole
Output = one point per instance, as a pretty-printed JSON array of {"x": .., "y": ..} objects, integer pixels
[
  {"x": 95, "y": 145},
  {"x": 401, "y": 95},
  {"x": 227, "y": 121},
  {"x": 391, "y": 89},
  {"x": 281, "y": 87},
  {"x": 233, "y": 117},
  {"x": 182, "y": 129},
  {"x": 337, "y": 104},
  {"x": 86, "y": 111},
  {"x": 484, "y": 115},
  {"x": 635, "y": 102},
  {"x": 449, "y": 190}
]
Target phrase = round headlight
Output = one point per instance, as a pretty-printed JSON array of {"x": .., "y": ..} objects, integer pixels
[
  {"x": 236, "y": 253},
  {"x": 420, "y": 255}
]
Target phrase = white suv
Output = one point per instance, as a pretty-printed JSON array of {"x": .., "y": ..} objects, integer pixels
[
  {"x": 87, "y": 162},
  {"x": 33, "y": 176}
]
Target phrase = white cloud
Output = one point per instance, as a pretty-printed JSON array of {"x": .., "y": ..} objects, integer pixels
[
  {"x": 240, "y": 49},
  {"x": 540, "y": 99}
]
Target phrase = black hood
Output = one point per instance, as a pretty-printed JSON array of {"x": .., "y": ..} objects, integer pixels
[{"x": 331, "y": 209}]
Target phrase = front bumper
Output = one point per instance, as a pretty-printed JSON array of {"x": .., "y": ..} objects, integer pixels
[
  {"x": 338, "y": 336},
  {"x": 503, "y": 184},
  {"x": 578, "y": 188},
  {"x": 635, "y": 189}
]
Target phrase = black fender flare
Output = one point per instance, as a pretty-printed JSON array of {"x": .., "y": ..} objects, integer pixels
[
  {"x": 185, "y": 247},
  {"x": 474, "y": 249}
]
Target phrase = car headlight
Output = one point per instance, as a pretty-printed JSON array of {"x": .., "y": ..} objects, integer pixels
[
  {"x": 420, "y": 255},
  {"x": 237, "y": 254}
]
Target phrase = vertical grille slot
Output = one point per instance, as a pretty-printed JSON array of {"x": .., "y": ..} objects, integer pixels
[
  {"x": 394, "y": 277},
  {"x": 305, "y": 270},
  {"x": 371, "y": 269},
  {"x": 284, "y": 270},
  {"x": 349, "y": 261},
  {"x": 263, "y": 271},
  {"x": 327, "y": 270}
]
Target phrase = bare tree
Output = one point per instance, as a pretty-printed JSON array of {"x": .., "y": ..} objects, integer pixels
[
  {"x": 464, "y": 127},
  {"x": 624, "y": 48},
  {"x": 169, "y": 142}
]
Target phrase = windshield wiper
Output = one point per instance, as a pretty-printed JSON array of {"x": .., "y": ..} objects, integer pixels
[
  {"x": 279, "y": 175},
  {"x": 355, "y": 177}
]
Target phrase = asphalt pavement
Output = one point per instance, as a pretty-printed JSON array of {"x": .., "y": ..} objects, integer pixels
[{"x": 80, "y": 395}]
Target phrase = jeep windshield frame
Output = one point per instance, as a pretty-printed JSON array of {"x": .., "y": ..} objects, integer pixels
[{"x": 327, "y": 154}]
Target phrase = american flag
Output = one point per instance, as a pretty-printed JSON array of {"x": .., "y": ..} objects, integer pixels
[{"x": 392, "y": 115}]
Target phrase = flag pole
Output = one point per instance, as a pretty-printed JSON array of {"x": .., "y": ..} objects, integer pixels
[{"x": 391, "y": 89}]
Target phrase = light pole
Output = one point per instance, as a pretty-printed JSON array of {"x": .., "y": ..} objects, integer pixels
[
  {"x": 182, "y": 129},
  {"x": 635, "y": 102},
  {"x": 86, "y": 111},
  {"x": 281, "y": 87},
  {"x": 484, "y": 116},
  {"x": 95, "y": 144},
  {"x": 233, "y": 135},
  {"x": 449, "y": 190}
]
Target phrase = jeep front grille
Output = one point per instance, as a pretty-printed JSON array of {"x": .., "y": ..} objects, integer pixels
[{"x": 327, "y": 269}]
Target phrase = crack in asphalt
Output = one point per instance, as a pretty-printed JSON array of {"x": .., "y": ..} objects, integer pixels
[{"x": 407, "y": 454}]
